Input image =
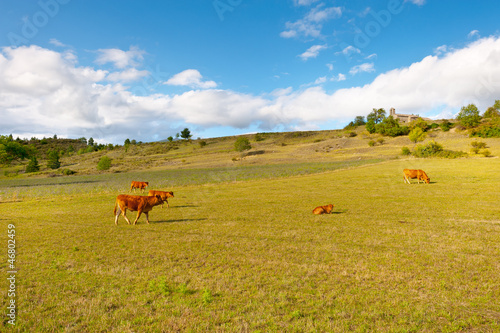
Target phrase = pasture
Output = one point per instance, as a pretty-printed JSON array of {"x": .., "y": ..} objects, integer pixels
[{"x": 241, "y": 251}]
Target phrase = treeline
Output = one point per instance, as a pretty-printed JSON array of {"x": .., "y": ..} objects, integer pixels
[{"x": 469, "y": 118}]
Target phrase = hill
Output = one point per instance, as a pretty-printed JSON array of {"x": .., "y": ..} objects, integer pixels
[{"x": 267, "y": 148}]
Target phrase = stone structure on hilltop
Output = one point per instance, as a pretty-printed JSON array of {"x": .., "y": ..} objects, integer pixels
[{"x": 405, "y": 118}]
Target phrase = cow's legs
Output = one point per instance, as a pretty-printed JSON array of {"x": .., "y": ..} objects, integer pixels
[
  {"x": 118, "y": 212},
  {"x": 147, "y": 217},
  {"x": 125, "y": 216},
  {"x": 138, "y": 214}
]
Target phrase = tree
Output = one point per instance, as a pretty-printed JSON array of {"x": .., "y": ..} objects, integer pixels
[
  {"x": 242, "y": 144},
  {"x": 491, "y": 112},
  {"x": 359, "y": 121},
  {"x": 170, "y": 139},
  {"x": 33, "y": 165},
  {"x": 376, "y": 115},
  {"x": 469, "y": 116},
  {"x": 104, "y": 163},
  {"x": 127, "y": 142},
  {"x": 53, "y": 159},
  {"x": 417, "y": 135},
  {"x": 390, "y": 127},
  {"x": 186, "y": 134},
  {"x": 370, "y": 126},
  {"x": 90, "y": 142},
  {"x": 11, "y": 150}
]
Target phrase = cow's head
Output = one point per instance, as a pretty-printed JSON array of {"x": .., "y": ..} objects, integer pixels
[
  {"x": 147, "y": 183},
  {"x": 427, "y": 180},
  {"x": 170, "y": 194},
  {"x": 329, "y": 208}
]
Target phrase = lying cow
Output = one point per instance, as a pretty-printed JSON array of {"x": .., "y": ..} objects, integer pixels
[
  {"x": 139, "y": 185},
  {"x": 141, "y": 204},
  {"x": 323, "y": 209},
  {"x": 419, "y": 174},
  {"x": 164, "y": 195}
]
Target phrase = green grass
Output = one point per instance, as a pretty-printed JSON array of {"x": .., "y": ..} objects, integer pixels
[{"x": 250, "y": 256}]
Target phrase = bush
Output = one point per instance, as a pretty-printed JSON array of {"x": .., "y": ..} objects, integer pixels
[
  {"x": 371, "y": 143},
  {"x": 390, "y": 127},
  {"x": 446, "y": 126},
  {"x": 486, "y": 153},
  {"x": 202, "y": 144},
  {"x": 434, "y": 149},
  {"x": 33, "y": 165},
  {"x": 67, "y": 172},
  {"x": 242, "y": 144},
  {"x": 104, "y": 163},
  {"x": 259, "y": 137},
  {"x": 53, "y": 160},
  {"x": 405, "y": 151},
  {"x": 488, "y": 129}
]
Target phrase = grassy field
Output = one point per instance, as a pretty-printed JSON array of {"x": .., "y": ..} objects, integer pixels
[{"x": 240, "y": 251}]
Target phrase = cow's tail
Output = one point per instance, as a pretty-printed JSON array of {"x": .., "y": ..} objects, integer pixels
[{"x": 114, "y": 211}]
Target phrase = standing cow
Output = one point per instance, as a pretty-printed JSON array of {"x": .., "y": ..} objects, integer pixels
[
  {"x": 138, "y": 203},
  {"x": 419, "y": 174},
  {"x": 164, "y": 195},
  {"x": 139, "y": 185}
]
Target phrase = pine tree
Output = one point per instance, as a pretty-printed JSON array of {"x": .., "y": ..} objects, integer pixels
[
  {"x": 53, "y": 160},
  {"x": 33, "y": 165}
]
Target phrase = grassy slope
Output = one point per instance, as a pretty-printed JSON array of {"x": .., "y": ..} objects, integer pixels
[{"x": 249, "y": 255}]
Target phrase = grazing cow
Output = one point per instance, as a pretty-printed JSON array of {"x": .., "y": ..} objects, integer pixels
[
  {"x": 141, "y": 204},
  {"x": 139, "y": 185},
  {"x": 164, "y": 195},
  {"x": 419, "y": 174},
  {"x": 323, "y": 209}
]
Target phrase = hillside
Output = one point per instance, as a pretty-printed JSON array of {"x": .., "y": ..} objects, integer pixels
[{"x": 267, "y": 148}]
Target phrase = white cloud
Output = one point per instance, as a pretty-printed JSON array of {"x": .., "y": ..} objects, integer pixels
[
  {"x": 119, "y": 58},
  {"x": 311, "y": 24},
  {"x": 55, "y": 42},
  {"x": 473, "y": 33},
  {"x": 348, "y": 50},
  {"x": 441, "y": 50},
  {"x": 363, "y": 68},
  {"x": 191, "y": 78},
  {"x": 417, "y": 2},
  {"x": 304, "y": 2},
  {"x": 312, "y": 52},
  {"x": 42, "y": 91},
  {"x": 127, "y": 75}
]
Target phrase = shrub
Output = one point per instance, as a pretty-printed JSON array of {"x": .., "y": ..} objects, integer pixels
[
  {"x": 405, "y": 151},
  {"x": 390, "y": 127},
  {"x": 434, "y": 149},
  {"x": 371, "y": 143},
  {"x": 33, "y": 165},
  {"x": 202, "y": 144},
  {"x": 259, "y": 137},
  {"x": 488, "y": 129},
  {"x": 370, "y": 126},
  {"x": 242, "y": 144},
  {"x": 67, "y": 172},
  {"x": 53, "y": 159},
  {"x": 446, "y": 126},
  {"x": 486, "y": 153},
  {"x": 104, "y": 163},
  {"x": 417, "y": 135},
  {"x": 381, "y": 141}
]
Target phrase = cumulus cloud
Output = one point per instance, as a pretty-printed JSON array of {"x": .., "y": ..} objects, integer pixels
[
  {"x": 190, "y": 78},
  {"x": 313, "y": 52},
  {"x": 363, "y": 68},
  {"x": 120, "y": 58},
  {"x": 43, "y": 91}
]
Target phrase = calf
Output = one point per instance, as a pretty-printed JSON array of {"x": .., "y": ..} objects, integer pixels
[
  {"x": 419, "y": 174},
  {"x": 164, "y": 195},
  {"x": 323, "y": 209},
  {"x": 139, "y": 185},
  {"x": 141, "y": 204}
]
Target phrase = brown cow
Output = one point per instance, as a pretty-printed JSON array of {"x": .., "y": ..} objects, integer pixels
[
  {"x": 139, "y": 185},
  {"x": 419, "y": 174},
  {"x": 323, "y": 209},
  {"x": 139, "y": 203},
  {"x": 164, "y": 195}
]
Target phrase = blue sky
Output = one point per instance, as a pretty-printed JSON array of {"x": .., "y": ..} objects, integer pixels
[{"x": 144, "y": 70}]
